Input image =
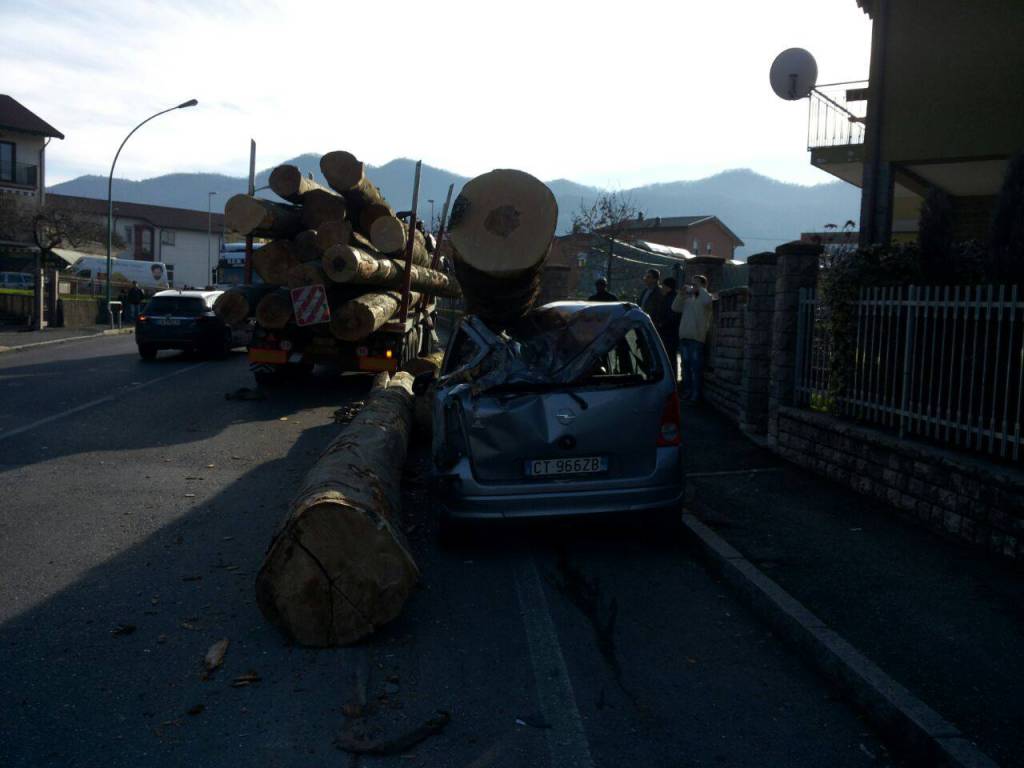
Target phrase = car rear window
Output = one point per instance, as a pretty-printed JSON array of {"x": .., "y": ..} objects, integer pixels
[
  {"x": 633, "y": 360},
  {"x": 186, "y": 306}
]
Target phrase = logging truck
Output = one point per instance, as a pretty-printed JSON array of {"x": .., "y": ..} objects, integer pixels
[{"x": 278, "y": 355}]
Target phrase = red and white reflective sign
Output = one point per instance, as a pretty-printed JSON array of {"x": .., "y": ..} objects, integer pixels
[{"x": 310, "y": 305}]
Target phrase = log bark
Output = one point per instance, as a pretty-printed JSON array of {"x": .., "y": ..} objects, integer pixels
[
  {"x": 359, "y": 317},
  {"x": 501, "y": 228},
  {"x": 370, "y": 214},
  {"x": 348, "y": 264},
  {"x": 333, "y": 233},
  {"x": 339, "y": 566},
  {"x": 262, "y": 218},
  {"x": 347, "y": 176},
  {"x": 273, "y": 261},
  {"x": 239, "y": 303},
  {"x": 424, "y": 364},
  {"x": 288, "y": 182},
  {"x": 388, "y": 236},
  {"x": 320, "y": 205},
  {"x": 307, "y": 245},
  {"x": 275, "y": 309}
]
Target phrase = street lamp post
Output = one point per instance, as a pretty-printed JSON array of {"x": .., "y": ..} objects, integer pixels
[
  {"x": 209, "y": 235},
  {"x": 110, "y": 187},
  {"x": 431, "y": 215}
]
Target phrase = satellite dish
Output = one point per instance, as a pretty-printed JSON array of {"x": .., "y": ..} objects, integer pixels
[{"x": 794, "y": 74}]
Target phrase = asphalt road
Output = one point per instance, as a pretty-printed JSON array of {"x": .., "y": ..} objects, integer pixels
[{"x": 138, "y": 502}]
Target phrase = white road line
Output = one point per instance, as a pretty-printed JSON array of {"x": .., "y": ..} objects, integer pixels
[
  {"x": 92, "y": 403},
  {"x": 567, "y": 739},
  {"x": 730, "y": 472}
]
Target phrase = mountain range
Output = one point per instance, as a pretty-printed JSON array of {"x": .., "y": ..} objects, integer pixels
[{"x": 762, "y": 211}]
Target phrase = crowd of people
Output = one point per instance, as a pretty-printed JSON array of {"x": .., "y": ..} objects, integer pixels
[{"x": 682, "y": 316}]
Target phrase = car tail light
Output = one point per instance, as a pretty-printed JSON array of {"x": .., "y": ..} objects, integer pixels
[
  {"x": 668, "y": 431},
  {"x": 142, "y": 318}
]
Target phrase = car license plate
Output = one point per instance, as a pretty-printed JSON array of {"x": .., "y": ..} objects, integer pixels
[
  {"x": 168, "y": 321},
  {"x": 575, "y": 466}
]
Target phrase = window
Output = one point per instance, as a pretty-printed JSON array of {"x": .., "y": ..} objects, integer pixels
[
  {"x": 633, "y": 359},
  {"x": 129, "y": 237},
  {"x": 696, "y": 247},
  {"x": 7, "y": 161},
  {"x": 167, "y": 237},
  {"x": 186, "y": 306},
  {"x": 707, "y": 247}
]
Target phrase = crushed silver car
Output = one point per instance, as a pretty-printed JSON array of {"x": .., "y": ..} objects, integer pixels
[{"x": 571, "y": 412}]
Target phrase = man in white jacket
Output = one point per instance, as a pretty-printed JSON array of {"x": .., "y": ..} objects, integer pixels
[{"x": 695, "y": 304}]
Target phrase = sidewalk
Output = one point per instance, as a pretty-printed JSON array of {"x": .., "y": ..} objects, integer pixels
[
  {"x": 945, "y": 621},
  {"x": 12, "y": 339}
]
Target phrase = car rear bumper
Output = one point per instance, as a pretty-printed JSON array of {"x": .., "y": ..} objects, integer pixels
[{"x": 464, "y": 498}]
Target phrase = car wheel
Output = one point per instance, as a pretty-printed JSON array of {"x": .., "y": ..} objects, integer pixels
[{"x": 147, "y": 351}]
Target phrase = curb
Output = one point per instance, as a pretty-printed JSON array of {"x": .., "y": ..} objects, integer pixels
[
  {"x": 66, "y": 340},
  {"x": 919, "y": 732}
]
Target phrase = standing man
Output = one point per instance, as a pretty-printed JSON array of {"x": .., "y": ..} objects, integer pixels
[
  {"x": 135, "y": 297},
  {"x": 667, "y": 323},
  {"x": 602, "y": 291},
  {"x": 695, "y": 304},
  {"x": 650, "y": 296}
]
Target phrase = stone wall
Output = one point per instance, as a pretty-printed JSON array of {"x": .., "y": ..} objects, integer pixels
[
  {"x": 724, "y": 369},
  {"x": 955, "y": 495}
]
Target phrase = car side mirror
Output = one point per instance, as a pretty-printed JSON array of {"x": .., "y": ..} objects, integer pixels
[{"x": 422, "y": 382}]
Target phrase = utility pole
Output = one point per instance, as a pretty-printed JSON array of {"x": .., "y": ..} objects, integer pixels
[{"x": 209, "y": 235}]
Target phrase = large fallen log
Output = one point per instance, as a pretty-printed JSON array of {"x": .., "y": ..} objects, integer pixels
[
  {"x": 248, "y": 215},
  {"x": 275, "y": 309},
  {"x": 339, "y": 567},
  {"x": 288, "y": 182},
  {"x": 388, "y": 236},
  {"x": 348, "y": 264},
  {"x": 239, "y": 303},
  {"x": 273, "y": 261},
  {"x": 347, "y": 176},
  {"x": 501, "y": 227},
  {"x": 320, "y": 205},
  {"x": 307, "y": 245},
  {"x": 357, "y": 318}
]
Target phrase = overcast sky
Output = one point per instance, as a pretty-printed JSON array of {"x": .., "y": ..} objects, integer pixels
[{"x": 615, "y": 94}]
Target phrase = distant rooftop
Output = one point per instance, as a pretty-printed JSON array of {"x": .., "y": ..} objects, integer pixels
[
  {"x": 677, "y": 222},
  {"x": 157, "y": 215},
  {"x": 14, "y": 116}
]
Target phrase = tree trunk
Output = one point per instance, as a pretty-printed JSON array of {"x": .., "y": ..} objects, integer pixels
[
  {"x": 320, "y": 205},
  {"x": 346, "y": 264},
  {"x": 359, "y": 317},
  {"x": 347, "y": 176},
  {"x": 239, "y": 303},
  {"x": 340, "y": 567},
  {"x": 275, "y": 309},
  {"x": 273, "y": 261},
  {"x": 501, "y": 228},
  {"x": 255, "y": 216},
  {"x": 370, "y": 214},
  {"x": 306, "y": 274},
  {"x": 288, "y": 182},
  {"x": 388, "y": 236},
  {"x": 333, "y": 233}
]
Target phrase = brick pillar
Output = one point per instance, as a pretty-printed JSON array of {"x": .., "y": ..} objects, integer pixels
[
  {"x": 796, "y": 267},
  {"x": 757, "y": 343},
  {"x": 709, "y": 266}
]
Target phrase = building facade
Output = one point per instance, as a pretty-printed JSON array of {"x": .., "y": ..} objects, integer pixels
[
  {"x": 943, "y": 109},
  {"x": 23, "y": 139},
  {"x": 699, "y": 235},
  {"x": 187, "y": 242}
]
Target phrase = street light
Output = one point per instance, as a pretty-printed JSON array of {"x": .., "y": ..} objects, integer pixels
[
  {"x": 209, "y": 234},
  {"x": 110, "y": 186},
  {"x": 431, "y": 215}
]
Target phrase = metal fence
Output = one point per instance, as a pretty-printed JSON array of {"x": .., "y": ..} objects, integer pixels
[{"x": 944, "y": 363}]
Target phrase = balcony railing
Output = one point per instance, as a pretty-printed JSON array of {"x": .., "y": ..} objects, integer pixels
[
  {"x": 836, "y": 114},
  {"x": 22, "y": 174}
]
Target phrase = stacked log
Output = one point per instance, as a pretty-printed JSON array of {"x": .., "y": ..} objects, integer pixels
[
  {"x": 344, "y": 237},
  {"x": 501, "y": 227},
  {"x": 339, "y": 566}
]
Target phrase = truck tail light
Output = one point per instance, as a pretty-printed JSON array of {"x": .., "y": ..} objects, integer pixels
[{"x": 668, "y": 432}]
